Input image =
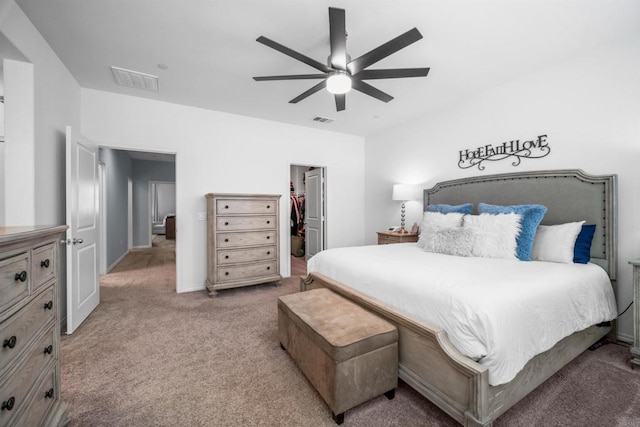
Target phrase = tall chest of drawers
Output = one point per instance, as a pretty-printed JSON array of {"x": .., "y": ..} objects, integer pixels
[
  {"x": 243, "y": 240},
  {"x": 30, "y": 327}
]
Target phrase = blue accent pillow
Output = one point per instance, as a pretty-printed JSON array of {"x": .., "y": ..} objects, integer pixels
[
  {"x": 582, "y": 248},
  {"x": 466, "y": 208},
  {"x": 531, "y": 218}
]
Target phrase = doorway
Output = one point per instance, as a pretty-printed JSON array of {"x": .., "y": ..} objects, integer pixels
[
  {"x": 307, "y": 214},
  {"x": 126, "y": 208}
]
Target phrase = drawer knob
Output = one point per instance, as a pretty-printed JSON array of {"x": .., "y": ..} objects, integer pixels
[
  {"x": 226, "y": 257},
  {"x": 226, "y": 223},
  {"x": 268, "y": 222},
  {"x": 226, "y": 273},
  {"x": 44, "y": 263},
  {"x": 11, "y": 342},
  {"x": 226, "y": 240},
  {"x": 268, "y": 268},
  {"x": 48, "y": 305},
  {"x": 268, "y": 206},
  {"x": 22, "y": 276},
  {"x": 48, "y": 349},
  {"x": 8, "y": 404},
  {"x": 226, "y": 206},
  {"x": 268, "y": 237},
  {"x": 49, "y": 394},
  {"x": 268, "y": 252}
]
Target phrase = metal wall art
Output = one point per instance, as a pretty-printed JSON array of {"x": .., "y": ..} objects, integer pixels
[{"x": 515, "y": 149}]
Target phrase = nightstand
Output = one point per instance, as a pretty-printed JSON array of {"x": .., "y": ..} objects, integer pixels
[
  {"x": 635, "y": 349},
  {"x": 386, "y": 237}
]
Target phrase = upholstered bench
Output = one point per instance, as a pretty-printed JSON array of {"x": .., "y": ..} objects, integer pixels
[{"x": 347, "y": 353}]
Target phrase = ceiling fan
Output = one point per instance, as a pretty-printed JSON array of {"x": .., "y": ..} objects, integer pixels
[{"x": 341, "y": 73}]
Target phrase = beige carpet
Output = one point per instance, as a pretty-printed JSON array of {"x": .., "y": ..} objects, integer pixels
[{"x": 150, "y": 357}]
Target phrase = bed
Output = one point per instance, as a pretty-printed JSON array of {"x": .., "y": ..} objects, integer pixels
[{"x": 429, "y": 361}]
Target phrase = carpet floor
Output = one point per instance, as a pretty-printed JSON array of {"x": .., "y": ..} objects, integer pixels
[{"x": 150, "y": 357}]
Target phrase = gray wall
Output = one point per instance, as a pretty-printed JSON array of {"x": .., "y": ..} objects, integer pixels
[
  {"x": 118, "y": 171},
  {"x": 143, "y": 172}
]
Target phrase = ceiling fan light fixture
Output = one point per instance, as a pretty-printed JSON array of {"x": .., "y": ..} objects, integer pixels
[{"x": 339, "y": 83}]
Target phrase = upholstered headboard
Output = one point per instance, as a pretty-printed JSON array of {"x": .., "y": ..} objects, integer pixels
[{"x": 569, "y": 195}]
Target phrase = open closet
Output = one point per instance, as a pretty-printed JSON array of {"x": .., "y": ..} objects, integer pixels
[{"x": 297, "y": 208}]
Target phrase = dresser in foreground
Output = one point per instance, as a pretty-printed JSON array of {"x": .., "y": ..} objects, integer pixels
[
  {"x": 243, "y": 240},
  {"x": 635, "y": 348},
  {"x": 30, "y": 327}
]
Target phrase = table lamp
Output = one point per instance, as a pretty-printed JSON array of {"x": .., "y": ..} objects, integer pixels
[{"x": 403, "y": 192}]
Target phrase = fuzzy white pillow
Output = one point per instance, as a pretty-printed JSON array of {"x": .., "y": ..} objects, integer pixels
[
  {"x": 556, "y": 243},
  {"x": 434, "y": 221},
  {"x": 457, "y": 241},
  {"x": 495, "y": 235}
]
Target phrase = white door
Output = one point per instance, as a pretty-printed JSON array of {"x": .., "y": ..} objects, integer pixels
[
  {"x": 83, "y": 290},
  {"x": 314, "y": 212}
]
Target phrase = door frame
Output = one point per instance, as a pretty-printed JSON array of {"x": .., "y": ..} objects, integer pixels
[
  {"x": 325, "y": 198},
  {"x": 102, "y": 177},
  {"x": 177, "y": 157}
]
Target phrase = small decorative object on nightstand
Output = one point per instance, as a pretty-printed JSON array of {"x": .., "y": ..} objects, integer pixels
[
  {"x": 386, "y": 237},
  {"x": 635, "y": 349}
]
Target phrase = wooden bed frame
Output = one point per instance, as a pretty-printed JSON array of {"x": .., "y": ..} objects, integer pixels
[{"x": 428, "y": 361}]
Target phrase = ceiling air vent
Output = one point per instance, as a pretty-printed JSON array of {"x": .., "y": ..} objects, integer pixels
[
  {"x": 323, "y": 119},
  {"x": 135, "y": 79}
]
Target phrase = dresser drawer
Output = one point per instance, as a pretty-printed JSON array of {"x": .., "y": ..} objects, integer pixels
[
  {"x": 234, "y": 256},
  {"x": 253, "y": 238},
  {"x": 231, "y": 206},
  {"x": 12, "y": 286},
  {"x": 239, "y": 272},
  {"x": 231, "y": 223},
  {"x": 18, "y": 384},
  {"x": 43, "y": 267},
  {"x": 18, "y": 330},
  {"x": 40, "y": 401}
]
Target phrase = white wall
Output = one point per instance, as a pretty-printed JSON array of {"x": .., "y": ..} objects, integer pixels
[
  {"x": 589, "y": 107},
  {"x": 54, "y": 99},
  {"x": 54, "y": 102},
  {"x": 226, "y": 153}
]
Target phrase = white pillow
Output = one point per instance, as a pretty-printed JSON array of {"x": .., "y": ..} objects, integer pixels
[
  {"x": 495, "y": 235},
  {"x": 457, "y": 241},
  {"x": 433, "y": 221},
  {"x": 556, "y": 242}
]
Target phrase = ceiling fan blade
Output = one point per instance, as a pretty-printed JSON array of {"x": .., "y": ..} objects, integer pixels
[
  {"x": 292, "y": 53},
  {"x": 392, "y": 73},
  {"x": 291, "y": 77},
  {"x": 311, "y": 91},
  {"x": 340, "y": 102},
  {"x": 383, "y": 51},
  {"x": 338, "y": 36},
  {"x": 370, "y": 90}
]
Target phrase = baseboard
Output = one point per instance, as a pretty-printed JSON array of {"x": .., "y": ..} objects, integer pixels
[
  {"x": 115, "y": 264},
  {"x": 625, "y": 338},
  {"x": 194, "y": 288}
]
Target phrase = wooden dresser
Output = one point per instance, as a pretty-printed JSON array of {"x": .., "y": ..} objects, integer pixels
[
  {"x": 243, "y": 240},
  {"x": 635, "y": 348},
  {"x": 30, "y": 327}
]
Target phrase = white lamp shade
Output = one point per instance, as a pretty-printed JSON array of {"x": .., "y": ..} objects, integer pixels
[{"x": 403, "y": 192}]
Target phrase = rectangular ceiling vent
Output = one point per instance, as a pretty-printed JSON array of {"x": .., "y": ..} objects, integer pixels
[
  {"x": 135, "y": 79},
  {"x": 325, "y": 120}
]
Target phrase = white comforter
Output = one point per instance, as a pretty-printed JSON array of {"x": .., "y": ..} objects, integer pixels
[{"x": 496, "y": 311}]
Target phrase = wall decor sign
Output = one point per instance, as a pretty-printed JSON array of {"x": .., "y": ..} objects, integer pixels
[{"x": 515, "y": 149}]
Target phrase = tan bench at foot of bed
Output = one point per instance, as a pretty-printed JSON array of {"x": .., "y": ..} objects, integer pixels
[{"x": 347, "y": 353}]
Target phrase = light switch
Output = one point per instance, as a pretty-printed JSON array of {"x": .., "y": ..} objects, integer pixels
[{"x": 202, "y": 216}]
